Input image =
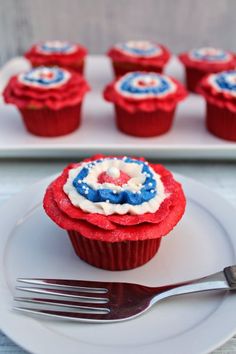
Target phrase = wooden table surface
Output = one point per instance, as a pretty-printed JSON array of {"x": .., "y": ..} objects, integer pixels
[{"x": 220, "y": 176}]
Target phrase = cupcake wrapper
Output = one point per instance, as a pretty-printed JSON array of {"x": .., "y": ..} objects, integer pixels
[
  {"x": 193, "y": 78},
  {"x": 114, "y": 255},
  {"x": 221, "y": 122},
  {"x": 144, "y": 124},
  {"x": 48, "y": 123},
  {"x": 123, "y": 68}
]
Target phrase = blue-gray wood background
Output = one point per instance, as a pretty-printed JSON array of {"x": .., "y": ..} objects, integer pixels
[{"x": 180, "y": 24}]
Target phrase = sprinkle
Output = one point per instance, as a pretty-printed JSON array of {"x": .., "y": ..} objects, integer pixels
[
  {"x": 107, "y": 201},
  {"x": 153, "y": 191},
  {"x": 148, "y": 175},
  {"x": 114, "y": 192},
  {"x": 139, "y": 192},
  {"x": 84, "y": 187},
  {"x": 79, "y": 181},
  {"x": 150, "y": 184},
  {"x": 86, "y": 192}
]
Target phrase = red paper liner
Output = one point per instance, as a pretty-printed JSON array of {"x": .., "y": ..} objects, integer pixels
[
  {"x": 50, "y": 123},
  {"x": 221, "y": 122},
  {"x": 114, "y": 255},
  {"x": 78, "y": 67},
  {"x": 123, "y": 68},
  {"x": 144, "y": 124},
  {"x": 193, "y": 78}
]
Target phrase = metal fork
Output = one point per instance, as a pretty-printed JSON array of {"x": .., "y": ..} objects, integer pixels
[{"x": 94, "y": 301}]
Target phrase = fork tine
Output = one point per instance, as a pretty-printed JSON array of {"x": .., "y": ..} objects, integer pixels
[
  {"x": 63, "y": 303},
  {"x": 65, "y": 293},
  {"x": 81, "y": 285},
  {"x": 76, "y": 316}
]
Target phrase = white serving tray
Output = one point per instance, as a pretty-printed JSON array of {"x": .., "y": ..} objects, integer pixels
[{"x": 98, "y": 134}]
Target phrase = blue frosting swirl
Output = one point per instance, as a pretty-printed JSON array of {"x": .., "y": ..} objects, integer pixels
[
  {"x": 44, "y": 76},
  {"x": 147, "y": 192},
  {"x": 160, "y": 84},
  {"x": 226, "y": 80},
  {"x": 56, "y": 47},
  {"x": 140, "y": 48},
  {"x": 209, "y": 54}
]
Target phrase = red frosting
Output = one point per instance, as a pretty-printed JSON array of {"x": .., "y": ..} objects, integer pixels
[
  {"x": 65, "y": 60},
  {"x": 204, "y": 65},
  {"x": 167, "y": 103},
  {"x": 24, "y": 96},
  {"x": 221, "y": 99},
  {"x": 114, "y": 228},
  {"x": 160, "y": 60}
]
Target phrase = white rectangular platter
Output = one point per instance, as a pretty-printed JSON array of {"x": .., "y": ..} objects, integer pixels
[{"x": 188, "y": 137}]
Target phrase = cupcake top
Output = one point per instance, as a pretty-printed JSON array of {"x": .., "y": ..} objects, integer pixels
[
  {"x": 115, "y": 186},
  {"x": 56, "y": 47},
  {"x": 113, "y": 193},
  {"x": 208, "y": 58},
  {"x": 220, "y": 89},
  {"x": 145, "y": 91},
  {"x": 142, "y": 52},
  {"x": 56, "y": 52},
  {"x": 45, "y": 87}
]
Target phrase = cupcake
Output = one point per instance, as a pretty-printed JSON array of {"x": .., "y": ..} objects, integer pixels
[
  {"x": 219, "y": 91},
  {"x": 199, "y": 62},
  {"x": 145, "y": 102},
  {"x": 115, "y": 209},
  {"x": 138, "y": 55},
  {"x": 58, "y": 53},
  {"x": 48, "y": 98}
]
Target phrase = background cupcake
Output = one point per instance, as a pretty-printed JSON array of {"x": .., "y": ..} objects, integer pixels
[
  {"x": 115, "y": 209},
  {"x": 58, "y": 53},
  {"x": 138, "y": 55},
  {"x": 219, "y": 91},
  {"x": 145, "y": 102},
  {"x": 49, "y": 99},
  {"x": 202, "y": 61}
]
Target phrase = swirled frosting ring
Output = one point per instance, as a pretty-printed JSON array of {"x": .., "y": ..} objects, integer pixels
[
  {"x": 44, "y": 77},
  {"x": 140, "y": 49},
  {"x": 139, "y": 85},
  {"x": 115, "y": 186},
  {"x": 56, "y": 47},
  {"x": 210, "y": 55},
  {"x": 224, "y": 82}
]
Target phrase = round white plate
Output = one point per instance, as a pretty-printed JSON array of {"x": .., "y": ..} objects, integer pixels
[{"x": 203, "y": 242}]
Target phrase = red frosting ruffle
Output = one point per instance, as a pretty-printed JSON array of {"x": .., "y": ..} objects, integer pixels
[
  {"x": 114, "y": 228},
  {"x": 207, "y": 66},
  {"x": 38, "y": 59},
  {"x": 168, "y": 103},
  {"x": 68, "y": 94},
  {"x": 160, "y": 60},
  {"x": 215, "y": 97}
]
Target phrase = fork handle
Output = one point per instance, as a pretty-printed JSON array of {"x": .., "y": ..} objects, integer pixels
[{"x": 224, "y": 280}]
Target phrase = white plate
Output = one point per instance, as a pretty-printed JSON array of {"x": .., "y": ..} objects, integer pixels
[
  {"x": 202, "y": 243},
  {"x": 187, "y": 139}
]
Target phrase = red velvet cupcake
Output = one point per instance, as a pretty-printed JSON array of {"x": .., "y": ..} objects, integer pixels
[
  {"x": 203, "y": 61},
  {"x": 138, "y": 56},
  {"x": 145, "y": 102},
  {"x": 219, "y": 91},
  {"x": 115, "y": 209},
  {"x": 58, "y": 53},
  {"x": 49, "y": 99}
]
